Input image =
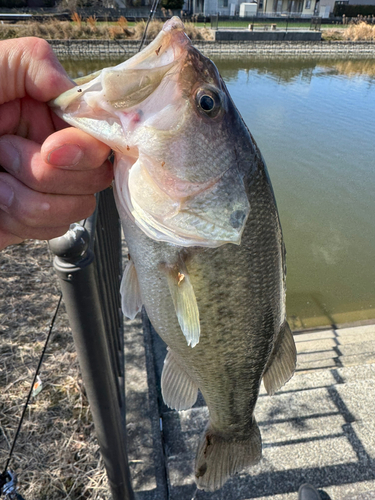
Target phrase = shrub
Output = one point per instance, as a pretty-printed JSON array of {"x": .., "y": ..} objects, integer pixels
[{"x": 353, "y": 10}]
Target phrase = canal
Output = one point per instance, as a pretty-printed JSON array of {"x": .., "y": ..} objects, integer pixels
[{"x": 314, "y": 121}]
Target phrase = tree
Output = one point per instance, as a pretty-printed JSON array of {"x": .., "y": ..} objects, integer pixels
[
  {"x": 172, "y": 4},
  {"x": 12, "y": 4}
]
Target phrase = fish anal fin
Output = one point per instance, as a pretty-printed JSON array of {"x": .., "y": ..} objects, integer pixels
[
  {"x": 282, "y": 363},
  {"x": 131, "y": 301},
  {"x": 218, "y": 458},
  {"x": 185, "y": 303},
  {"x": 178, "y": 389}
]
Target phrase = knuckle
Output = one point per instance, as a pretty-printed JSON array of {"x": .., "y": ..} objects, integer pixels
[
  {"x": 36, "y": 214},
  {"x": 38, "y": 46},
  {"x": 56, "y": 212}
]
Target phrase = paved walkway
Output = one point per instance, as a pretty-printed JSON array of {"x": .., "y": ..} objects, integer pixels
[{"x": 319, "y": 428}]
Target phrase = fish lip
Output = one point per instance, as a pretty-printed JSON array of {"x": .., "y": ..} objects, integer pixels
[{"x": 174, "y": 23}]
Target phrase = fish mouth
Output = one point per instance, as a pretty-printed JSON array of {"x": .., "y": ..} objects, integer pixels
[
  {"x": 139, "y": 108},
  {"x": 99, "y": 101}
]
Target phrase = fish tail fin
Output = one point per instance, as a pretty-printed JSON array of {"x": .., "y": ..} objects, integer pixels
[{"x": 219, "y": 458}]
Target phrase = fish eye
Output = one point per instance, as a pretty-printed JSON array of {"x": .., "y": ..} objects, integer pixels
[{"x": 208, "y": 102}]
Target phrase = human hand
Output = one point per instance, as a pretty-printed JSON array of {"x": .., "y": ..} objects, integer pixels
[{"x": 48, "y": 172}]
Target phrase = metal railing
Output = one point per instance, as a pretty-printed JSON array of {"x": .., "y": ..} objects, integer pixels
[{"x": 88, "y": 264}]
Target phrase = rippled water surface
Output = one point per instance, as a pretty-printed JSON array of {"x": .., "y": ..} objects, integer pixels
[{"x": 314, "y": 122}]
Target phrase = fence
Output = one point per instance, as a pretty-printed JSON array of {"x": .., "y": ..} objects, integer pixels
[
  {"x": 88, "y": 264},
  {"x": 265, "y": 22}
]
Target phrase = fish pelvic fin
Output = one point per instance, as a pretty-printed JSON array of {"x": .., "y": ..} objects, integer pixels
[
  {"x": 218, "y": 458},
  {"x": 185, "y": 303},
  {"x": 131, "y": 301},
  {"x": 282, "y": 363},
  {"x": 178, "y": 389}
]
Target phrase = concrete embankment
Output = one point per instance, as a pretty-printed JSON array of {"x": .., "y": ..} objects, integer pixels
[{"x": 126, "y": 48}]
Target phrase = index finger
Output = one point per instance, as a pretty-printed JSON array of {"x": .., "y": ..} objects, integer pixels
[{"x": 28, "y": 66}]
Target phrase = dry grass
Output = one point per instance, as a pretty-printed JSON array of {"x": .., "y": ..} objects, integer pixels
[
  {"x": 123, "y": 22},
  {"x": 360, "y": 32},
  {"x": 53, "y": 30},
  {"x": 57, "y": 456},
  {"x": 89, "y": 29},
  {"x": 155, "y": 27},
  {"x": 333, "y": 34},
  {"x": 92, "y": 21},
  {"x": 76, "y": 18}
]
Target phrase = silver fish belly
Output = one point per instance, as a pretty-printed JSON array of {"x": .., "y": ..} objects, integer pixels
[{"x": 207, "y": 258}]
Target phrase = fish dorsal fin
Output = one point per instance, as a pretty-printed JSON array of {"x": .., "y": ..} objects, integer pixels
[
  {"x": 282, "y": 362},
  {"x": 185, "y": 303},
  {"x": 131, "y": 302},
  {"x": 178, "y": 389}
]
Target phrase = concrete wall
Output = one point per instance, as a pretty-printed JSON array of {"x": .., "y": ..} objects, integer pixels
[
  {"x": 108, "y": 48},
  {"x": 345, "y": 50},
  {"x": 278, "y": 35}
]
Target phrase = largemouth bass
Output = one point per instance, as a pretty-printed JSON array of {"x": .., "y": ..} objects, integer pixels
[{"x": 207, "y": 258}]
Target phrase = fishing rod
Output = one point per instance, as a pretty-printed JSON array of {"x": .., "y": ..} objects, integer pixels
[
  {"x": 154, "y": 6},
  {"x": 8, "y": 479}
]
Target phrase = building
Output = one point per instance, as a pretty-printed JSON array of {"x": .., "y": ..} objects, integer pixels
[{"x": 303, "y": 8}]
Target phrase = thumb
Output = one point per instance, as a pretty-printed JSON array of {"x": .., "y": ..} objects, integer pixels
[{"x": 28, "y": 66}]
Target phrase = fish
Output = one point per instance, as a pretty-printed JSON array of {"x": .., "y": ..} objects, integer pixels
[{"x": 206, "y": 250}]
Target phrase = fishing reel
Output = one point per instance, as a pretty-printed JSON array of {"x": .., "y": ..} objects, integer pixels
[{"x": 8, "y": 486}]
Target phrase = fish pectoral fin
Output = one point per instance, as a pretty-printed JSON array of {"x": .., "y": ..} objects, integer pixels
[
  {"x": 219, "y": 458},
  {"x": 185, "y": 303},
  {"x": 177, "y": 387},
  {"x": 282, "y": 362},
  {"x": 131, "y": 301}
]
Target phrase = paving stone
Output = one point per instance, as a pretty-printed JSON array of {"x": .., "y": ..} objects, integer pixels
[
  {"x": 319, "y": 429},
  {"x": 369, "y": 495},
  {"x": 144, "y": 444}
]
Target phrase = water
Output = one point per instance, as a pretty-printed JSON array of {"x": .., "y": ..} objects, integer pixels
[{"x": 314, "y": 122}]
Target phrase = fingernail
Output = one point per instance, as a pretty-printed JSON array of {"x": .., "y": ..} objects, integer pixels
[
  {"x": 6, "y": 195},
  {"x": 10, "y": 156},
  {"x": 67, "y": 155}
]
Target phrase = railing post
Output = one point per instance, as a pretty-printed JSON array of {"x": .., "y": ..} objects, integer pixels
[{"x": 74, "y": 264}]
